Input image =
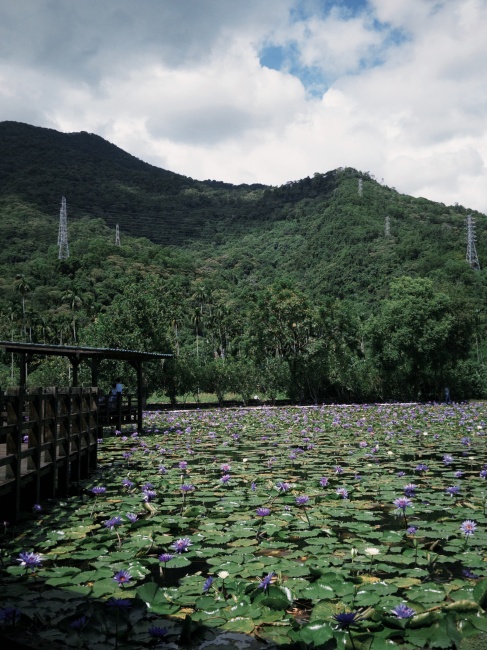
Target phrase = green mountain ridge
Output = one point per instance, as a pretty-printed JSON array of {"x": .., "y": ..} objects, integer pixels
[{"x": 99, "y": 180}]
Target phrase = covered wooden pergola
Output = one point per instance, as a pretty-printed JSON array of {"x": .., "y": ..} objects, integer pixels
[{"x": 92, "y": 356}]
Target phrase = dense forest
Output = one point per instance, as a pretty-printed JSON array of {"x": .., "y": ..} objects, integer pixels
[{"x": 334, "y": 287}]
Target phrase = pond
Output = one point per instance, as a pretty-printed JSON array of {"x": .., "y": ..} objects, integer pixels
[{"x": 357, "y": 526}]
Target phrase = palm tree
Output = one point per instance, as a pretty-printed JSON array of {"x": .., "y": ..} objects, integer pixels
[
  {"x": 74, "y": 302},
  {"x": 176, "y": 322},
  {"x": 197, "y": 320},
  {"x": 23, "y": 288}
]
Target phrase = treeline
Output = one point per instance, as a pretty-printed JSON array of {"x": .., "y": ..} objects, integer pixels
[{"x": 269, "y": 341}]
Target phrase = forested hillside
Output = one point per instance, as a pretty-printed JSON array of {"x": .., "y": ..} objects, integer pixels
[{"x": 331, "y": 287}]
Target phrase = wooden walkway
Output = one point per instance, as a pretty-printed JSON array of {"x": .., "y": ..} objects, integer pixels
[{"x": 48, "y": 441}]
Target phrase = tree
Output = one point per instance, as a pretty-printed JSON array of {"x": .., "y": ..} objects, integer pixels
[
  {"x": 74, "y": 302},
  {"x": 280, "y": 322},
  {"x": 417, "y": 339},
  {"x": 137, "y": 319},
  {"x": 23, "y": 288}
]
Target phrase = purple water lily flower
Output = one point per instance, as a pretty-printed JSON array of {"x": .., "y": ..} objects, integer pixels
[
  {"x": 342, "y": 492},
  {"x": 123, "y": 604},
  {"x": 264, "y": 584},
  {"x": 114, "y": 521},
  {"x": 182, "y": 544},
  {"x": 282, "y": 487},
  {"x": 410, "y": 489},
  {"x": 9, "y": 615},
  {"x": 468, "y": 527},
  {"x": 148, "y": 495},
  {"x": 186, "y": 488},
  {"x": 123, "y": 577},
  {"x": 453, "y": 490},
  {"x": 302, "y": 500},
  {"x": 157, "y": 632},
  {"x": 165, "y": 557},
  {"x": 402, "y": 503},
  {"x": 263, "y": 512},
  {"x": 346, "y": 619},
  {"x": 30, "y": 560},
  {"x": 403, "y": 611},
  {"x": 323, "y": 481},
  {"x": 78, "y": 623},
  {"x": 98, "y": 489},
  {"x": 225, "y": 478},
  {"x": 207, "y": 584}
]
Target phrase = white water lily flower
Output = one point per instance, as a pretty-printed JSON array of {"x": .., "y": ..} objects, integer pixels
[
  {"x": 223, "y": 574},
  {"x": 371, "y": 551}
]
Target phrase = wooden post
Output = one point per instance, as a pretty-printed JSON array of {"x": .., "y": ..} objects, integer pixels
[
  {"x": 23, "y": 369},
  {"x": 118, "y": 406},
  {"x": 140, "y": 395},
  {"x": 75, "y": 364}
]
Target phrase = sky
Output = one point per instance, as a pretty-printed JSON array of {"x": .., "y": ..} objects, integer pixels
[{"x": 262, "y": 91}]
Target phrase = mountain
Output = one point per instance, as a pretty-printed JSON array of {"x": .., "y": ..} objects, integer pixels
[
  {"x": 319, "y": 232},
  {"x": 201, "y": 263},
  {"x": 38, "y": 166}
]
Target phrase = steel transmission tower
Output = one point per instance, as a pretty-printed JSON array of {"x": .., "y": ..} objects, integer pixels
[
  {"x": 62, "y": 238},
  {"x": 360, "y": 187},
  {"x": 472, "y": 257},
  {"x": 387, "y": 227},
  {"x": 117, "y": 235}
]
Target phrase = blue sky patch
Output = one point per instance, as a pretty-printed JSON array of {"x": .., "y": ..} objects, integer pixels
[
  {"x": 315, "y": 79},
  {"x": 304, "y": 9},
  {"x": 286, "y": 59}
]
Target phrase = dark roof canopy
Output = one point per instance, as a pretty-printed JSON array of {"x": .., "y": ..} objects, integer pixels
[
  {"x": 80, "y": 352},
  {"x": 92, "y": 356}
]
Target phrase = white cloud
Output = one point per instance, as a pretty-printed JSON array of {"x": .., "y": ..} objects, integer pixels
[{"x": 179, "y": 84}]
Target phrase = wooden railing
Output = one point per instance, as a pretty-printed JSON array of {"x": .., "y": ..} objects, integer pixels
[
  {"x": 48, "y": 441},
  {"x": 117, "y": 410}
]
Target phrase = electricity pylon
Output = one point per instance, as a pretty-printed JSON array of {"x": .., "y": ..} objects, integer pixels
[
  {"x": 62, "y": 238},
  {"x": 472, "y": 257}
]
